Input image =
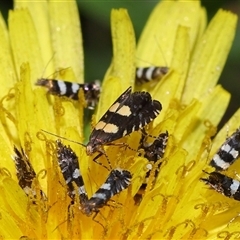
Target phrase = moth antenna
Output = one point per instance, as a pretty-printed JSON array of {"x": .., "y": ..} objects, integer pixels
[
  {"x": 149, "y": 135},
  {"x": 94, "y": 218},
  {"x": 58, "y": 71},
  {"x": 67, "y": 139},
  {"x": 152, "y": 72},
  {"x": 161, "y": 50},
  {"x": 59, "y": 225},
  {"x": 89, "y": 180},
  {"x": 76, "y": 142},
  {"x": 144, "y": 60},
  {"x": 48, "y": 64}
]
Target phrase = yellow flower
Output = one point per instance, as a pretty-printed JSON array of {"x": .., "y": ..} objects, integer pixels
[{"x": 178, "y": 205}]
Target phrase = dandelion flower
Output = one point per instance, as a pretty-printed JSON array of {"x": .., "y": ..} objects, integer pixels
[{"x": 178, "y": 205}]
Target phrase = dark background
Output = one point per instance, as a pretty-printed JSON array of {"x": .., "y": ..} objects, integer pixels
[{"x": 95, "y": 21}]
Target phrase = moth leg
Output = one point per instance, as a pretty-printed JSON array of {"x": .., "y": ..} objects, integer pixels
[{"x": 95, "y": 159}]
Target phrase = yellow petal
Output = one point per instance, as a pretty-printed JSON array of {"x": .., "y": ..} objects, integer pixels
[
  {"x": 7, "y": 73},
  {"x": 180, "y": 62},
  {"x": 6, "y": 149},
  {"x": 172, "y": 85},
  {"x": 8, "y": 223},
  {"x": 120, "y": 74},
  {"x": 66, "y": 36},
  {"x": 123, "y": 48},
  {"x": 211, "y": 112},
  {"x": 210, "y": 55},
  {"x": 164, "y": 92},
  {"x": 227, "y": 130},
  {"x": 184, "y": 121},
  {"x": 24, "y": 42},
  {"x": 157, "y": 40},
  {"x": 40, "y": 16},
  {"x": 139, "y": 170},
  {"x": 15, "y": 202}
]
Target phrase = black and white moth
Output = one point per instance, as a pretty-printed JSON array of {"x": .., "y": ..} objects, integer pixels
[
  {"x": 153, "y": 152},
  {"x": 68, "y": 163},
  {"x": 227, "y": 153},
  {"x": 148, "y": 74},
  {"x": 68, "y": 89},
  {"x": 223, "y": 184},
  {"x": 117, "y": 181},
  {"x": 26, "y": 174},
  {"x": 129, "y": 113}
]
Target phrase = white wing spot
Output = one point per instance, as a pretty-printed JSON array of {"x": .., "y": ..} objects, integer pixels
[
  {"x": 114, "y": 107},
  {"x": 124, "y": 111},
  {"x": 62, "y": 87},
  {"x": 75, "y": 87}
]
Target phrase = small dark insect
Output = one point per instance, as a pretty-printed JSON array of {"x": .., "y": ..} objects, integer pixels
[
  {"x": 68, "y": 163},
  {"x": 148, "y": 74},
  {"x": 223, "y": 184},
  {"x": 26, "y": 174},
  {"x": 153, "y": 152},
  {"x": 68, "y": 89},
  {"x": 227, "y": 153},
  {"x": 117, "y": 181}
]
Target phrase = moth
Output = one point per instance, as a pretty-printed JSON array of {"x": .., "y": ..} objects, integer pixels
[
  {"x": 117, "y": 180},
  {"x": 148, "y": 74},
  {"x": 68, "y": 163},
  {"x": 223, "y": 184},
  {"x": 129, "y": 113},
  {"x": 153, "y": 152},
  {"x": 26, "y": 174},
  {"x": 68, "y": 89},
  {"x": 227, "y": 153}
]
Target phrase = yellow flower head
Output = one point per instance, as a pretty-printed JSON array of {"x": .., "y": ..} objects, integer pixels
[{"x": 175, "y": 205}]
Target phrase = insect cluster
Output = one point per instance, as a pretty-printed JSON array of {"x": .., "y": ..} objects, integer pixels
[
  {"x": 92, "y": 90},
  {"x": 132, "y": 111}
]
